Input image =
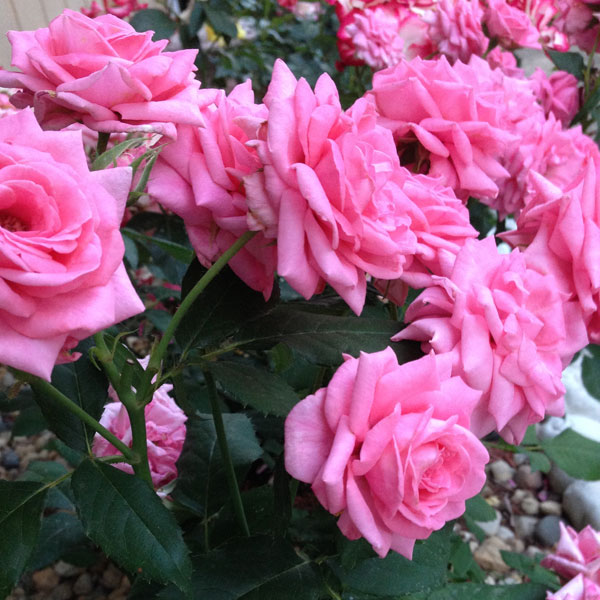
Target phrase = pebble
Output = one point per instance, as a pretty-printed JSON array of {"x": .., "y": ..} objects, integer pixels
[
  {"x": 526, "y": 478},
  {"x": 524, "y": 525},
  {"x": 111, "y": 578},
  {"x": 83, "y": 584},
  {"x": 61, "y": 592},
  {"x": 551, "y": 507},
  {"x": 501, "y": 471},
  {"x": 530, "y": 506},
  {"x": 581, "y": 503},
  {"x": 491, "y": 527},
  {"x": 488, "y": 556},
  {"x": 519, "y": 495},
  {"x": 559, "y": 480},
  {"x": 45, "y": 580},
  {"x": 66, "y": 570},
  {"x": 533, "y": 551},
  {"x": 505, "y": 534},
  {"x": 547, "y": 530},
  {"x": 10, "y": 459}
]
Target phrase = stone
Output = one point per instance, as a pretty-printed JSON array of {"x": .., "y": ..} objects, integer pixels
[
  {"x": 581, "y": 503},
  {"x": 530, "y": 506},
  {"x": 490, "y": 527},
  {"x": 519, "y": 495},
  {"x": 83, "y": 584},
  {"x": 505, "y": 534},
  {"x": 520, "y": 459},
  {"x": 63, "y": 591},
  {"x": 111, "y": 578},
  {"x": 524, "y": 525},
  {"x": 526, "y": 478},
  {"x": 64, "y": 569},
  {"x": 518, "y": 545},
  {"x": 533, "y": 551},
  {"x": 551, "y": 507},
  {"x": 45, "y": 580},
  {"x": 501, "y": 471},
  {"x": 10, "y": 459},
  {"x": 547, "y": 530},
  {"x": 488, "y": 556},
  {"x": 559, "y": 480}
]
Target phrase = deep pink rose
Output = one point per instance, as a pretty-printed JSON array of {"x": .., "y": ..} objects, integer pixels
[
  {"x": 61, "y": 253},
  {"x": 200, "y": 178},
  {"x": 455, "y": 29},
  {"x": 575, "y": 554},
  {"x": 388, "y": 447},
  {"x": 103, "y": 73},
  {"x": 508, "y": 330},
  {"x": 382, "y": 35},
  {"x": 579, "y": 22},
  {"x": 118, "y": 8},
  {"x": 558, "y": 94},
  {"x": 330, "y": 191},
  {"x": 579, "y": 588},
  {"x": 165, "y": 433}
]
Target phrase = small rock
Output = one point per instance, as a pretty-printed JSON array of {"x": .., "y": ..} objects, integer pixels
[
  {"x": 517, "y": 545},
  {"x": 491, "y": 527},
  {"x": 526, "y": 478},
  {"x": 10, "y": 459},
  {"x": 551, "y": 507},
  {"x": 63, "y": 591},
  {"x": 45, "y": 580},
  {"x": 547, "y": 531},
  {"x": 3, "y": 426},
  {"x": 559, "y": 480},
  {"x": 524, "y": 525},
  {"x": 111, "y": 578},
  {"x": 83, "y": 584},
  {"x": 520, "y": 459},
  {"x": 66, "y": 570},
  {"x": 488, "y": 556},
  {"x": 581, "y": 502},
  {"x": 505, "y": 534},
  {"x": 501, "y": 471},
  {"x": 519, "y": 495},
  {"x": 493, "y": 501},
  {"x": 530, "y": 506},
  {"x": 533, "y": 551}
]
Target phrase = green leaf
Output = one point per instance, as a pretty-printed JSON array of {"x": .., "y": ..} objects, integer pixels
[
  {"x": 153, "y": 19},
  {"x": 110, "y": 156},
  {"x": 254, "y": 387},
  {"x": 87, "y": 386},
  {"x": 124, "y": 358},
  {"x": 130, "y": 523},
  {"x": 29, "y": 421},
  {"x": 21, "y": 506},
  {"x": 590, "y": 372},
  {"x": 395, "y": 575},
  {"x": 202, "y": 480},
  {"x": 479, "y": 591},
  {"x": 322, "y": 338},
  {"x": 221, "y": 21},
  {"x": 571, "y": 62},
  {"x": 531, "y": 568},
  {"x": 462, "y": 562},
  {"x": 59, "y": 496},
  {"x": 177, "y": 251},
  {"x": 577, "y": 455},
  {"x": 537, "y": 460},
  {"x": 479, "y": 510}
]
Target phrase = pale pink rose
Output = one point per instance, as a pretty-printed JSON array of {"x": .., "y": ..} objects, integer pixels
[
  {"x": 165, "y": 433},
  {"x": 61, "y": 268},
  {"x": 330, "y": 191},
  {"x": 451, "y": 118},
  {"x": 381, "y": 36},
  {"x": 442, "y": 227},
  {"x": 118, "y": 8},
  {"x": 579, "y": 588},
  {"x": 576, "y": 554},
  {"x": 200, "y": 178},
  {"x": 388, "y": 448},
  {"x": 525, "y": 23},
  {"x": 560, "y": 229},
  {"x": 455, "y": 29},
  {"x": 508, "y": 332},
  {"x": 558, "y": 94},
  {"x": 104, "y": 74}
]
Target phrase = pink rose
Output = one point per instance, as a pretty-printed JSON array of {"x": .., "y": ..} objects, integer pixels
[
  {"x": 508, "y": 330},
  {"x": 579, "y": 22},
  {"x": 103, "y": 73},
  {"x": 388, "y": 447},
  {"x": 576, "y": 554},
  {"x": 200, "y": 178},
  {"x": 381, "y": 36},
  {"x": 558, "y": 94},
  {"x": 579, "y": 588},
  {"x": 118, "y": 8},
  {"x": 165, "y": 433},
  {"x": 455, "y": 28},
  {"x": 61, "y": 253},
  {"x": 330, "y": 191}
]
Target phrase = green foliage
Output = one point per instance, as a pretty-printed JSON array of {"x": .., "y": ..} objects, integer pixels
[
  {"x": 590, "y": 370},
  {"x": 128, "y": 521},
  {"x": 571, "y": 62},
  {"x": 577, "y": 455},
  {"x": 153, "y": 19}
]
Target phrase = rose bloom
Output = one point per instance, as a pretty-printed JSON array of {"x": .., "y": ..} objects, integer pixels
[
  {"x": 104, "y": 74},
  {"x": 579, "y": 588},
  {"x": 510, "y": 333},
  {"x": 388, "y": 448},
  {"x": 61, "y": 253},
  {"x": 200, "y": 178},
  {"x": 381, "y": 36},
  {"x": 330, "y": 192},
  {"x": 118, "y": 8},
  {"x": 558, "y": 94},
  {"x": 576, "y": 554},
  {"x": 165, "y": 433}
]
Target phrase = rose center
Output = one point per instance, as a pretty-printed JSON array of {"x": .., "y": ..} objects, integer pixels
[{"x": 12, "y": 223}]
